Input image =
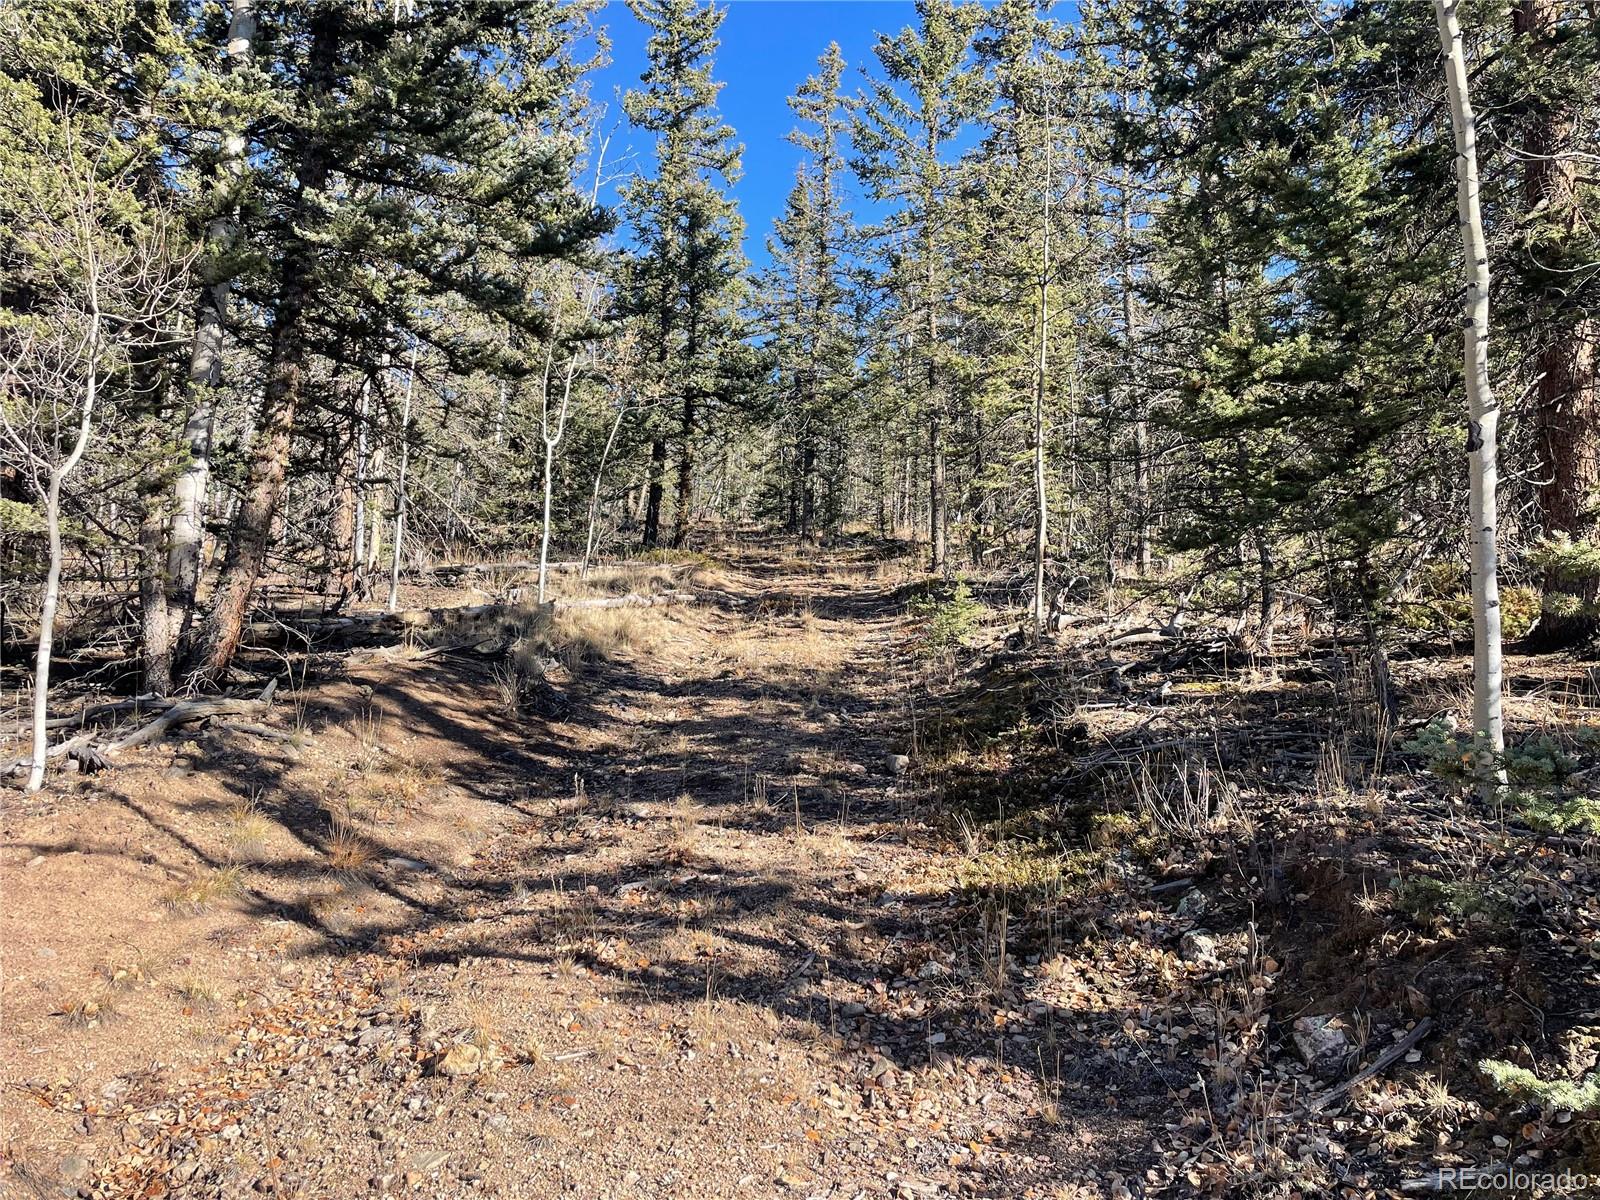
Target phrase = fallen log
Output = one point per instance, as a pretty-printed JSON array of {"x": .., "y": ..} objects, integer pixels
[
  {"x": 632, "y": 600},
  {"x": 195, "y": 710}
]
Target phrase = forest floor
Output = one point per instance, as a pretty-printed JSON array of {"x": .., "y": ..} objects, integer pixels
[{"x": 695, "y": 931}]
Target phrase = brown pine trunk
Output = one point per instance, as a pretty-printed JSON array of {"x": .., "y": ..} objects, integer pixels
[
  {"x": 1566, "y": 411},
  {"x": 685, "y": 494},
  {"x": 252, "y": 528},
  {"x": 653, "y": 494}
]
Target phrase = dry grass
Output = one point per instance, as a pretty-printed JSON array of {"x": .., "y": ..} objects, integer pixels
[
  {"x": 95, "y": 1004},
  {"x": 197, "y": 988},
  {"x": 247, "y": 831},
  {"x": 205, "y": 890},
  {"x": 349, "y": 853},
  {"x": 591, "y": 635}
]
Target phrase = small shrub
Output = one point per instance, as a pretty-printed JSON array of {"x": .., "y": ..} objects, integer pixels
[
  {"x": 949, "y": 616},
  {"x": 1536, "y": 769},
  {"x": 1560, "y": 1094},
  {"x": 1427, "y": 899}
]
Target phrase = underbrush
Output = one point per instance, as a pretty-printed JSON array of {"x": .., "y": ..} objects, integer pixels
[
  {"x": 574, "y": 639},
  {"x": 1212, "y": 825}
]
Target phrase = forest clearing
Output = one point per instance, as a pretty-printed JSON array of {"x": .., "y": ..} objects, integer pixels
[{"x": 642, "y": 599}]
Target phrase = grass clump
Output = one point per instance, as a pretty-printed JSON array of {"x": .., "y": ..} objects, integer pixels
[{"x": 206, "y": 890}]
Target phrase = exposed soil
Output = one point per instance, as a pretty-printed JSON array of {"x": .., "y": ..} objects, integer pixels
[{"x": 692, "y": 936}]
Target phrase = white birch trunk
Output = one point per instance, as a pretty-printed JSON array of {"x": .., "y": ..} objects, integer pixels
[
  {"x": 1483, "y": 415},
  {"x": 205, "y": 358},
  {"x": 52, "y": 581},
  {"x": 551, "y": 439},
  {"x": 398, "y": 550}
]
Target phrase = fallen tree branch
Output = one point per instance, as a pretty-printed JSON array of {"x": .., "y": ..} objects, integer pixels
[
  {"x": 1380, "y": 1064},
  {"x": 195, "y": 710},
  {"x": 632, "y": 600}
]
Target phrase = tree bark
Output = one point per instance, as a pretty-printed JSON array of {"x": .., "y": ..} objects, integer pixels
[
  {"x": 652, "y": 504},
  {"x": 52, "y": 518},
  {"x": 594, "y": 496},
  {"x": 1483, "y": 415},
  {"x": 1141, "y": 422},
  {"x": 397, "y": 551},
  {"x": 247, "y": 546},
  {"x": 1041, "y": 495},
  {"x": 187, "y": 535},
  {"x": 1566, "y": 412}
]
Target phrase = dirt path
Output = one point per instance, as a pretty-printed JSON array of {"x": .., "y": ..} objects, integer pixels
[{"x": 685, "y": 940}]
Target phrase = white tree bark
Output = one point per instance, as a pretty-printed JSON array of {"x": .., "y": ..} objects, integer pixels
[
  {"x": 1483, "y": 414},
  {"x": 398, "y": 550},
  {"x": 52, "y": 518},
  {"x": 551, "y": 436},
  {"x": 1041, "y": 499},
  {"x": 205, "y": 356}
]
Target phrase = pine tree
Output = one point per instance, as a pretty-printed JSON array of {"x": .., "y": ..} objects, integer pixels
[
  {"x": 809, "y": 303},
  {"x": 409, "y": 157},
  {"x": 682, "y": 287},
  {"x": 901, "y": 142}
]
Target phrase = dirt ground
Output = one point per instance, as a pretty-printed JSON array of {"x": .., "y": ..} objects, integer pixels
[{"x": 691, "y": 935}]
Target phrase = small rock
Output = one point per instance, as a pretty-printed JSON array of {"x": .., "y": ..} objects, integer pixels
[
  {"x": 1199, "y": 948},
  {"x": 457, "y": 1059},
  {"x": 74, "y": 1167},
  {"x": 1322, "y": 1042},
  {"x": 831, "y": 720},
  {"x": 424, "y": 1161},
  {"x": 36, "y": 861},
  {"x": 401, "y": 863},
  {"x": 897, "y": 764}
]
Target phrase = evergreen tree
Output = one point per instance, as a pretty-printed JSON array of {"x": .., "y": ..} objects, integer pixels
[
  {"x": 682, "y": 287},
  {"x": 929, "y": 92},
  {"x": 409, "y": 157},
  {"x": 810, "y": 304}
]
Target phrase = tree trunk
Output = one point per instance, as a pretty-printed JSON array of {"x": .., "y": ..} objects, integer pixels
[
  {"x": 1566, "y": 412},
  {"x": 247, "y": 545},
  {"x": 155, "y": 618},
  {"x": 397, "y": 551},
  {"x": 341, "y": 554},
  {"x": 594, "y": 496},
  {"x": 184, "y": 553},
  {"x": 1483, "y": 415},
  {"x": 52, "y": 579},
  {"x": 652, "y": 504},
  {"x": 685, "y": 491},
  {"x": 552, "y": 440},
  {"x": 1041, "y": 496}
]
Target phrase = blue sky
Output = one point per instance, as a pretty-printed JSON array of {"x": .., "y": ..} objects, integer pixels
[{"x": 768, "y": 48}]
